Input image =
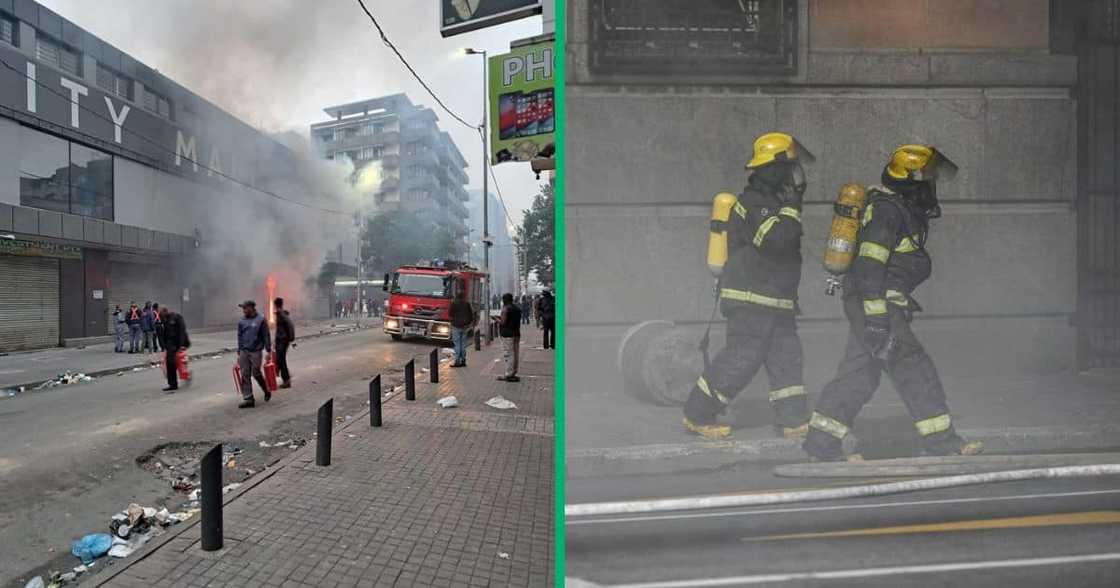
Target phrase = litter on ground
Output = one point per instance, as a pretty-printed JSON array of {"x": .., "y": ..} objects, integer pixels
[
  {"x": 500, "y": 403},
  {"x": 448, "y": 402}
]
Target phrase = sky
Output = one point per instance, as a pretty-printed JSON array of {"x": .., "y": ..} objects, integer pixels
[{"x": 277, "y": 63}]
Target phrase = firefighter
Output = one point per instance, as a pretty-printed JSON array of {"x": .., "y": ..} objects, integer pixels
[
  {"x": 757, "y": 293},
  {"x": 892, "y": 261}
]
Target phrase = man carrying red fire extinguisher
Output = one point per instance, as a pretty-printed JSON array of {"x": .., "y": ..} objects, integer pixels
[
  {"x": 253, "y": 338},
  {"x": 174, "y": 338}
]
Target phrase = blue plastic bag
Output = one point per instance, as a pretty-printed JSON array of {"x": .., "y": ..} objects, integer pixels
[{"x": 91, "y": 547}]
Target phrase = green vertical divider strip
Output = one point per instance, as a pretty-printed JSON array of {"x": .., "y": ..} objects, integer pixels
[{"x": 560, "y": 284}]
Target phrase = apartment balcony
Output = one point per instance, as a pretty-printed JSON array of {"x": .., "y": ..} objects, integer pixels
[
  {"x": 390, "y": 183},
  {"x": 423, "y": 181},
  {"x": 390, "y": 161},
  {"x": 358, "y": 141},
  {"x": 421, "y": 156}
]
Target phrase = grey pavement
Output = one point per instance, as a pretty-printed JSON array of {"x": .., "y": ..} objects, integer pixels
[
  {"x": 30, "y": 368},
  {"x": 442, "y": 497},
  {"x": 1042, "y": 533},
  {"x": 611, "y": 433}
]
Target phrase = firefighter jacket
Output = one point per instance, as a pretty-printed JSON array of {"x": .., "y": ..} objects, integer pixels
[
  {"x": 763, "y": 266},
  {"x": 892, "y": 260}
]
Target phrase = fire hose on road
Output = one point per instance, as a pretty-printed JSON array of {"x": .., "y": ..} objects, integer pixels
[{"x": 884, "y": 489}]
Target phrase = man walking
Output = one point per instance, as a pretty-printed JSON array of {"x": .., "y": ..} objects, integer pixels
[
  {"x": 547, "y": 310},
  {"x": 159, "y": 327},
  {"x": 509, "y": 327},
  {"x": 134, "y": 318},
  {"x": 120, "y": 328},
  {"x": 174, "y": 338},
  {"x": 463, "y": 317},
  {"x": 285, "y": 336},
  {"x": 253, "y": 338},
  {"x": 526, "y": 309}
]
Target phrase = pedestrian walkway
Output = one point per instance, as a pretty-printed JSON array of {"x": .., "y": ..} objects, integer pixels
[
  {"x": 1043, "y": 413},
  {"x": 441, "y": 497},
  {"x": 30, "y": 368}
]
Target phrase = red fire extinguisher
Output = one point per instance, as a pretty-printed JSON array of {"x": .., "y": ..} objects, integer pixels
[
  {"x": 181, "y": 365},
  {"x": 270, "y": 374},
  {"x": 182, "y": 362}
]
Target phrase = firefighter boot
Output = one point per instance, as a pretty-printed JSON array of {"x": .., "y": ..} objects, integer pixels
[
  {"x": 700, "y": 412},
  {"x": 712, "y": 431},
  {"x": 955, "y": 445}
]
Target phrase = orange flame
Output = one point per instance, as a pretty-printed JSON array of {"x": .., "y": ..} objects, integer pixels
[{"x": 270, "y": 283}]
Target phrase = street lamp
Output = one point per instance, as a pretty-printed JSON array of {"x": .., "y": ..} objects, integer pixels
[{"x": 485, "y": 189}]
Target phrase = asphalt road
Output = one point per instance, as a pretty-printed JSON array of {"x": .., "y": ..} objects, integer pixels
[
  {"x": 68, "y": 454},
  {"x": 1044, "y": 533}
]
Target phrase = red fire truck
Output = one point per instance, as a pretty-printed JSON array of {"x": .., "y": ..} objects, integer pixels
[{"x": 420, "y": 298}]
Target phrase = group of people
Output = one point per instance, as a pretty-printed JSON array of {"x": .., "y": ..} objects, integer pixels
[
  {"x": 353, "y": 308},
  {"x": 757, "y": 288},
  {"x": 161, "y": 330},
  {"x": 142, "y": 328},
  {"x": 540, "y": 308}
]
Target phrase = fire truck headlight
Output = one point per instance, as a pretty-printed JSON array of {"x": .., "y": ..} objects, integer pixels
[
  {"x": 442, "y": 330},
  {"x": 392, "y": 324}
]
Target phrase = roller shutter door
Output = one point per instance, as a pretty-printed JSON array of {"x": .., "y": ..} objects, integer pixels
[
  {"x": 29, "y": 291},
  {"x": 140, "y": 282}
]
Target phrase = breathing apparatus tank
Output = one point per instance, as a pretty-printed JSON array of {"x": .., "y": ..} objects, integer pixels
[
  {"x": 717, "y": 239},
  {"x": 840, "y": 249}
]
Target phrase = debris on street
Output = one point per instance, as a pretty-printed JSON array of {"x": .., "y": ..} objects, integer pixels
[
  {"x": 503, "y": 555},
  {"x": 448, "y": 402},
  {"x": 500, "y": 403},
  {"x": 9, "y": 392},
  {"x": 36, "y": 582},
  {"x": 65, "y": 379},
  {"x": 91, "y": 547}
]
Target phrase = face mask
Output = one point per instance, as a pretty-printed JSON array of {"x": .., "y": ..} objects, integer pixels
[
  {"x": 926, "y": 199},
  {"x": 796, "y": 184}
]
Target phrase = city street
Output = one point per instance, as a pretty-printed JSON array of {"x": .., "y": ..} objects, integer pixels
[
  {"x": 68, "y": 454},
  {"x": 1027, "y": 533}
]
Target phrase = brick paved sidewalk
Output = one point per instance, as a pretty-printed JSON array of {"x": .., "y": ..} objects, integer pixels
[{"x": 441, "y": 497}]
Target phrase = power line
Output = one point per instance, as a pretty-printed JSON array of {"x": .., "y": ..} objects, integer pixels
[
  {"x": 385, "y": 39},
  {"x": 161, "y": 147}
]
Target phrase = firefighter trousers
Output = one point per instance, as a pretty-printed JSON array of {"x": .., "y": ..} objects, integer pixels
[
  {"x": 910, "y": 369},
  {"x": 755, "y": 338}
]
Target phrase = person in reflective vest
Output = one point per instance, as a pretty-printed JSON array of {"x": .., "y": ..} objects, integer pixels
[
  {"x": 890, "y": 264},
  {"x": 757, "y": 292}
]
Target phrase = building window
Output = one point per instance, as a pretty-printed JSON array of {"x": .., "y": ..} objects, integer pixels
[
  {"x": 157, "y": 104},
  {"x": 694, "y": 37},
  {"x": 53, "y": 53},
  {"x": 91, "y": 182},
  {"x": 114, "y": 83},
  {"x": 8, "y": 30},
  {"x": 57, "y": 175},
  {"x": 44, "y": 171}
]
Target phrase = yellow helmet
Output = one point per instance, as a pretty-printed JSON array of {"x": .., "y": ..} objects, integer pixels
[
  {"x": 921, "y": 163},
  {"x": 778, "y": 147}
]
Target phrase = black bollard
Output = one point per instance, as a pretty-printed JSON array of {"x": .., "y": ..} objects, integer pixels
[
  {"x": 375, "y": 401},
  {"x": 326, "y": 423},
  {"x": 410, "y": 380},
  {"x": 211, "y": 497},
  {"x": 433, "y": 365},
  {"x": 477, "y": 340}
]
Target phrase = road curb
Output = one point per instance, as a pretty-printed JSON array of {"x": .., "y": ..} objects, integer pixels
[
  {"x": 662, "y": 458},
  {"x": 30, "y": 387}
]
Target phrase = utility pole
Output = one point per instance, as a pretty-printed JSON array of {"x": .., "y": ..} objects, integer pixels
[{"x": 485, "y": 191}]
